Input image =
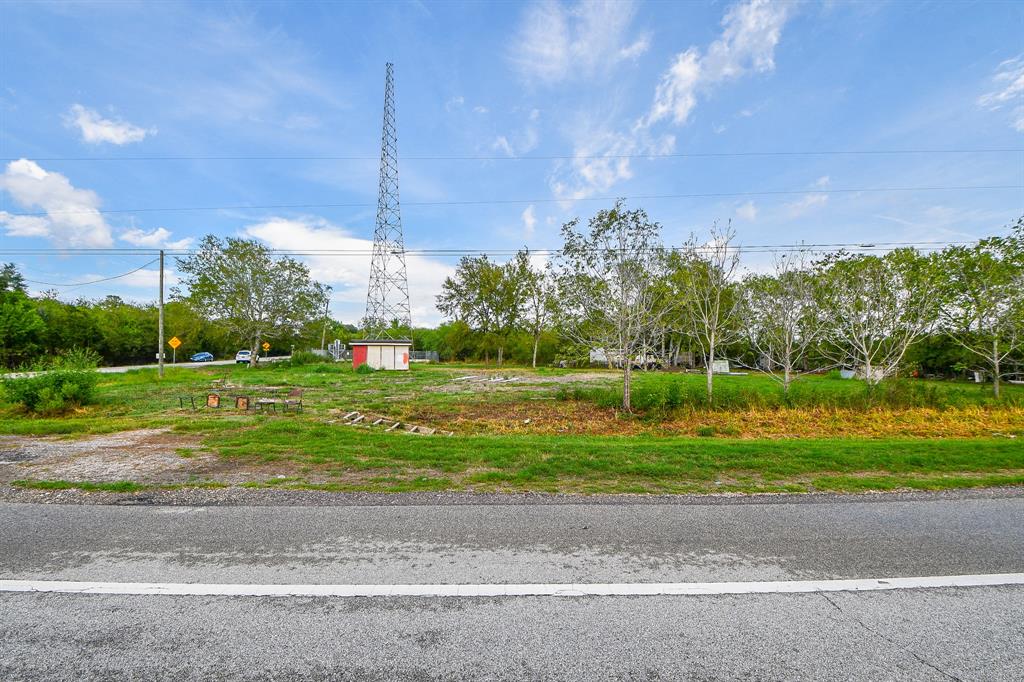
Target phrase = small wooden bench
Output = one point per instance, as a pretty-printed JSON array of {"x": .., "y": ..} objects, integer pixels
[{"x": 263, "y": 403}]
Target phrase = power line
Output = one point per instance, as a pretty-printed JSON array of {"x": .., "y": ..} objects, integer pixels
[
  {"x": 550, "y": 157},
  {"x": 546, "y": 200},
  {"x": 95, "y": 281},
  {"x": 750, "y": 248}
]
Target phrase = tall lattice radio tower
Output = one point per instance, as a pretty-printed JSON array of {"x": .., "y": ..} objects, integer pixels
[{"x": 387, "y": 300}]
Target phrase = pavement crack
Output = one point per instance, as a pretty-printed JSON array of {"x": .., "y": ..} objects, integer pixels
[{"x": 889, "y": 640}]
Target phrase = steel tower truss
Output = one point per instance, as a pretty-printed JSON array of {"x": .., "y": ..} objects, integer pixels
[{"x": 387, "y": 300}]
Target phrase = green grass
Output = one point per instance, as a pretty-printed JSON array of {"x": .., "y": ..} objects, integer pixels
[
  {"x": 658, "y": 393},
  {"x": 313, "y": 453},
  {"x": 108, "y": 486},
  {"x": 665, "y": 464}
]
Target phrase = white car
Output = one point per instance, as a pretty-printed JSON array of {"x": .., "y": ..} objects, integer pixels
[{"x": 243, "y": 357}]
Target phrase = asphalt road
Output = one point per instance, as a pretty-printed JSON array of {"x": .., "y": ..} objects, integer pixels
[
  {"x": 938, "y": 633},
  {"x": 127, "y": 368}
]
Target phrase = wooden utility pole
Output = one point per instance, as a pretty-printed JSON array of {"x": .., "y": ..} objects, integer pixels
[
  {"x": 327, "y": 313},
  {"x": 160, "y": 324}
]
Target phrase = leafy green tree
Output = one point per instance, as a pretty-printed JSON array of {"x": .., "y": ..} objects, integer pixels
[
  {"x": 128, "y": 331},
  {"x": 21, "y": 329},
  {"x": 877, "y": 306},
  {"x": 68, "y": 325},
  {"x": 487, "y": 296},
  {"x": 781, "y": 317},
  {"x": 710, "y": 295},
  {"x": 456, "y": 341},
  {"x": 239, "y": 285},
  {"x": 983, "y": 301},
  {"x": 539, "y": 302},
  {"x": 11, "y": 279},
  {"x": 606, "y": 295}
]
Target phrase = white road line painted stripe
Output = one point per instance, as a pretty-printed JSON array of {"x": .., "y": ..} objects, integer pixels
[{"x": 511, "y": 590}]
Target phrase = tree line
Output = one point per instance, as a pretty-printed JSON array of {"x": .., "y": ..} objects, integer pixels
[
  {"x": 234, "y": 294},
  {"x": 616, "y": 290},
  {"x": 613, "y": 292}
]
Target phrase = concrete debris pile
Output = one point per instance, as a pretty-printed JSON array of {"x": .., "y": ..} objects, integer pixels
[
  {"x": 356, "y": 418},
  {"x": 484, "y": 379}
]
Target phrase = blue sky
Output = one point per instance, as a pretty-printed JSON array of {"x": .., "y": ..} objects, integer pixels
[{"x": 511, "y": 81}]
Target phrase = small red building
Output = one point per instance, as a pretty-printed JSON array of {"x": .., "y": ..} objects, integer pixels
[{"x": 381, "y": 353}]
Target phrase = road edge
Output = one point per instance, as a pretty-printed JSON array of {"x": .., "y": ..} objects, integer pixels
[{"x": 263, "y": 497}]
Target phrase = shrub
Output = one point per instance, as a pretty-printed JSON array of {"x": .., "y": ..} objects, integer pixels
[
  {"x": 336, "y": 368},
  {"x": 63, "y": 383},
  {"x": 365, "y": 369},
  {"x": 305, "y": 357},
  {"x": 662, "y": 397}
]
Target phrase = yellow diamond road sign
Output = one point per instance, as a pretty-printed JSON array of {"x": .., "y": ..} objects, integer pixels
[
  {"x": 174, "y": 342},
  {"x": 266, "y": 346}
]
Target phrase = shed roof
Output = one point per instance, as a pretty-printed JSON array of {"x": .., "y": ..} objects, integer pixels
[{"x": 381, "y": 342}]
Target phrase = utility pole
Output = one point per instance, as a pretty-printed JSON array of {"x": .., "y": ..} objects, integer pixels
[
  {"x": 327, "y": 313},
  {"x": 160, "y": 324}
]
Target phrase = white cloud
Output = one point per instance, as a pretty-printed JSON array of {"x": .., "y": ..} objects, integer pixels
[
  {"x": 480, "y": 110},
  {"x": 676, "y": 93},
  {"x": 454, "y": 103},
  {"x": 807, "y": 204},
  {"x": 72, "y": 216},
  {"x": 502, "y": 144},
  {"x": 747, "y": 211},
  {"x": 529, "y": 222},
  {"x": 640, "y": 46},
  {"x": 750, "y": 32},
  {"x": 246, "y": 74},
  {"x": 349, "y": 275},
  {"x": 96, "y": 129},
  {"x": 1009, "y": 82},
  {"x": 557, "y": 41},
  {"x": 811, "y": 201},
  {"x": 521, "y": 141},
  {"x": 158, "y": 238},
  {"x": 601, "y": 160}
]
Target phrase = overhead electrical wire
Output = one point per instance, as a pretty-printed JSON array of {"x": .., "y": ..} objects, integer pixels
[
  {"x": 536, "y": 157},
  {"x": 546, "y": 200},
  {"x": 751, "y": 248},
  {"x": 71, "y": 285}
]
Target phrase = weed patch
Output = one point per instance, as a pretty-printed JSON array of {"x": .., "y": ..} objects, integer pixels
[{"x": 88, "y": 486}]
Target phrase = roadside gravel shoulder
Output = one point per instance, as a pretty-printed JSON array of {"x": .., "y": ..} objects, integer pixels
[{"x": 262, "y": 497}]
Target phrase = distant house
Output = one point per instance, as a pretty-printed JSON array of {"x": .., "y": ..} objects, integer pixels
[{"x": 601, "y": 356}]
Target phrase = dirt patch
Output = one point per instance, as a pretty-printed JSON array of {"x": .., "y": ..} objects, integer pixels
[
  {"x": 145, "y": 455},
  {"x": 531, "y": 416},
  {"x": 480, "y": 381},
  {"x": 163, "y": 457}
]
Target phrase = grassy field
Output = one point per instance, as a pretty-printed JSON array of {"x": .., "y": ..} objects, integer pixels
[{"x": 549, "y": 430}]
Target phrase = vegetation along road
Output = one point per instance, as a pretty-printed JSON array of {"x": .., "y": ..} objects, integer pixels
[{"x": 546, "y": 430}]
